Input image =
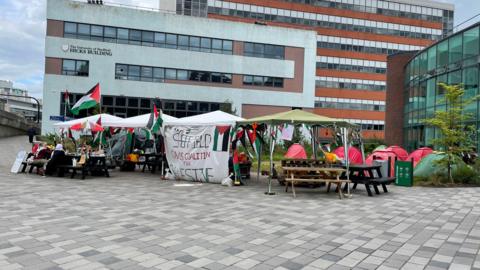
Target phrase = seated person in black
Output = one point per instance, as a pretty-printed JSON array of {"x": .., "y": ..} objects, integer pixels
[{"x": 58, "y": 158}]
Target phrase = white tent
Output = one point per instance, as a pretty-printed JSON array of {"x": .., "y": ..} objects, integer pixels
[
  {"x": 139, "y": 121},
  {"x": 106, "y": 120},
  {"x": 211, "y": 118}
]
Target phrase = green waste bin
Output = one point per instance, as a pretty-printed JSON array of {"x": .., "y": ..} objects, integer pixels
[{"x": 404, "y": 173}]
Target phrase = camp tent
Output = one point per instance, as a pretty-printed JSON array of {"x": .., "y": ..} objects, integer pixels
[
  {"x": 380, "y": 147},
  {"x": 106, "y": 120},
  {"x": 401, "y": 153},
  {"x": 139, "y": 121},
  {"x": 419, "y": 154},
  {"x": 428, "y": 165},
  {"x": 296, "y": 151},
  {"x": 354, "y": 155},
  {"x": 296, "y": 117},
  {"x": 210, "y": 118}
]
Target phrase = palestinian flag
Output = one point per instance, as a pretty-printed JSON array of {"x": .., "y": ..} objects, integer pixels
[
  {"x": 220, "y": 138},
  {"x": 255, "y": 141},
  {"x": 236, "y": 167},
  {"x": 100, "y": 138},
  {"x": 155, "y": 121},
  {"x": 66, "y": 100},
  {"x": 79, "y": 126},
  {"x": 70, "y": 135},
  {"x": 91, "y": 99}
]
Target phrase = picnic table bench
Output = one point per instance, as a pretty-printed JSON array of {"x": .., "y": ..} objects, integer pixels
[
  {"x": 326, "y": 175},
  {"x": 32, "y": 166},
  {"x": 93, "y": 165},
  {"x": 368, "y": 175}
]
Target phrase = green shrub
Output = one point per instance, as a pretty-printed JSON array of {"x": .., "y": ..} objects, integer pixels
[{"x": 465, "y": 175}]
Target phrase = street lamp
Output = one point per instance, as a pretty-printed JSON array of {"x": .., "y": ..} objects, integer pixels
[{"x": 36, "y": 100}]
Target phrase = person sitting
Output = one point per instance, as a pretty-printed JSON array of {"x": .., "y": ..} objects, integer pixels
[
  {"x": 58, "y": 158},
  {"x": 41, "y": 157}
]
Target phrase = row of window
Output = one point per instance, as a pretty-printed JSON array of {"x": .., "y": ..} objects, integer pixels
[
  {"x": 371, "y": 127},
  {"x": 355, "y": 48},
  {"x": 381, "y": 7},
  {"x": 159, "y": 74},
  {"x": 325, "y": 21},
  {"x": 75, "y": 67},
  {"x": 368, "y": 43},
  {"x": 349, "y": 106},
  {"x": 132, "y": 106},
  {"x": 353, "y": 68},
  {"x": 262, "y": 81},
  {"x": 349, "y": 85},
  {"x": 445, "y": 55},
  {"x": 263, "y": 50},
  {"x": 147, "y": 38}
]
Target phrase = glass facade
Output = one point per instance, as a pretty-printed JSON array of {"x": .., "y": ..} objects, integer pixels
[{"x": 454, "y": 60}]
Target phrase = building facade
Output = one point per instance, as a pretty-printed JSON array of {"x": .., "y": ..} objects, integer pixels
[
  {"x": 453, "y": 60},
  {"x": 192, "y": 64},
  {"x": 16, "y": 100},
  {"x": 354, "y": 38}
]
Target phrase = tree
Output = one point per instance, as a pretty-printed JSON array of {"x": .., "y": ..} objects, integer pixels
[{"x": 457, "y": 136}]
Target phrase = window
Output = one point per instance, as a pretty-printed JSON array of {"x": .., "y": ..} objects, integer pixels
[
  {"x": 455, "y": 49},
  {"x": 83, "y": 31},
  {"x": 248, "y": 80},
  {"x": 442, "y": 53},
  {"x": 146, "y": 74},
  {"x": 122, "y": 35},
  {"x": 110, "y": 34},
  {"x": 471, "y": 42},
  {"x": 158, "y": 74},
  {"x": 135, "y": 37},
  {"x": 121, "y": 72},
  {"x": 134, "y": 73},
  {"x": 183, "y": 42},
  {"x": 147, "y": 38},
  {"x": 159, "y": 40},
  {"x": 171, "y": 41},
  {"x": 171, "y": 74},
  {"x": 182, "y": 75},
  {"x": 97, "y": 32},
  {"x": 195, "y": 43},
  {"x": 432, "y": 58},
  {"x": 217, "y": 45},
  {"x": 75, "y": 67},
  {"x": 206, "y": 44},
  {"x": 70, "y": 30}
]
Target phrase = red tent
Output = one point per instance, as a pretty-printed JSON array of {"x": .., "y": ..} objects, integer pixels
[
  {"x": 418, "y": 154},
  {"x": 383, "y": 155},
  {"x": 354, "y": 155},
  {"x": 296, "y": 151},
  {"x": 401, "y": 153}
]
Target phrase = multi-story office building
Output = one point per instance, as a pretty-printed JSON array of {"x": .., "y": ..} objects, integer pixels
[
  {"x": 413, "y": 91},
  {"x": 16, "y": 100},
  {"x": 192, "y": 64},
  {"x": 354, "y": 38}
]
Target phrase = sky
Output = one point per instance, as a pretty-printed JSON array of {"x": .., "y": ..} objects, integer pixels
[{"x": 22, "y": 37}]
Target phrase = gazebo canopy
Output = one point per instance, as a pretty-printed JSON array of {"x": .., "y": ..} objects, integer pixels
[
  {"x": 106, "y": 120},
  {"x": 139, "y": 121},
  {"x": 296, "y": 117}
]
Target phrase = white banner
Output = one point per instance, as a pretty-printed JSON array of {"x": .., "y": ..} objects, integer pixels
[{"x": 198, "y": 153}]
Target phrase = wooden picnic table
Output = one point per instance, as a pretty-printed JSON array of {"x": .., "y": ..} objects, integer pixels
[
  {"x": 326, "y": 175},
  {"x": 152, "y": 161},
  {"x": 368, "y": 175}
]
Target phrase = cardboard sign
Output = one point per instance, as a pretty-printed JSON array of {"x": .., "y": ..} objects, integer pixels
[
  {"x": 198, "y": 153},
  {"x": 18, "y": 162}
]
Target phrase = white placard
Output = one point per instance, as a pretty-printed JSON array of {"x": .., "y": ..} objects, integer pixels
[
  {"x": 18, "y": 162},
  {"x": 287, "y": 132},
  {"x": 198, "y": 153}
]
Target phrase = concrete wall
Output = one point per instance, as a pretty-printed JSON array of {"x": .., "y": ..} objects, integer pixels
[{"x": 13, "y": 125}]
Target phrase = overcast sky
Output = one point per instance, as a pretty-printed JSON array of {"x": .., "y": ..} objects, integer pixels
[{"x": 22, "y": 37}]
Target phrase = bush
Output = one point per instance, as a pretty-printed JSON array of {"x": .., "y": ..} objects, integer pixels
[{"x": 465, "y": 175}]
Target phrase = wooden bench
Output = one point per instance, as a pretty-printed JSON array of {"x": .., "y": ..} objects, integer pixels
[{"x": 314, "y": 175}]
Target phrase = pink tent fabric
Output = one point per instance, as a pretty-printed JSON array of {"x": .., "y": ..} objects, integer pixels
[
  {"x": 383, "y": 155},
  {"x": 418, "y": 154},
  {"x": 296, "y": 151},
  {"x": 354, "y": 155},
  {"x": 401, "y": 153}
]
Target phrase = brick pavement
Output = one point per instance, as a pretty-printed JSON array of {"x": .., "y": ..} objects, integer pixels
[{"x": 136, "y": 221}]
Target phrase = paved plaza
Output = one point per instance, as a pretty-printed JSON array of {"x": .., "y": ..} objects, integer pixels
[{"x": 137, "y": 221}]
